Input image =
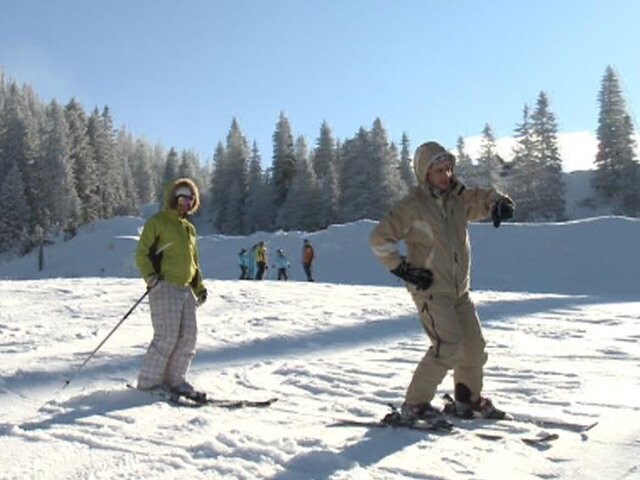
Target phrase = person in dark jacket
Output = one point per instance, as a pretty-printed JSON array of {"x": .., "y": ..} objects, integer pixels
[{"x": 307, "y": 259}]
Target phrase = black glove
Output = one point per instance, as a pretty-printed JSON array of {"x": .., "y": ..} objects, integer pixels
[
  {"x": 201, "y": 298},
  {"x": 502, "y": 210},
  {"x": 422, "y": 278},
  {"x": 153, "y": 280}
]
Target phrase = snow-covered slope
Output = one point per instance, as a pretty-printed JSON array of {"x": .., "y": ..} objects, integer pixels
[
  {"x": 561, "y": 257},
  {"x": 327, "y": 351}
]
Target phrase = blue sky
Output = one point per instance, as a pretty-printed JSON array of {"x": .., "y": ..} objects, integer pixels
[{"x": 178, "y": 71}]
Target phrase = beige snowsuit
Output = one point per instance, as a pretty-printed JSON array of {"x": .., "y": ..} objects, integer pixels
[{"x": 434, "y": 229}]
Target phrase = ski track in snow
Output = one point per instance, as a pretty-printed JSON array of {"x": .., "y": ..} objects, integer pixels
[{"x": 327, "y": 352}]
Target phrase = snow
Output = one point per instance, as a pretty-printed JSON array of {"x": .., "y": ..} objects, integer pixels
[{"x": 559, "y": 305}]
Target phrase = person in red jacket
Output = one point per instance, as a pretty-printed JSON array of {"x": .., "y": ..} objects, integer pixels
[{"x": 307, "y": 259}]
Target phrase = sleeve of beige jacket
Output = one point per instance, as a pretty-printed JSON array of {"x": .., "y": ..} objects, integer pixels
[
  {"x": 385, "y": 237},
  {"x": 478, "y": 202}
]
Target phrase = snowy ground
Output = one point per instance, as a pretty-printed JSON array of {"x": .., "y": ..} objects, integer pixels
[{"x": 327, "y": 351}]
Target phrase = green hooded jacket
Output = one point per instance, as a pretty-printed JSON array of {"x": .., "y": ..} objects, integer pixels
[{"x": 167, "y": 245}]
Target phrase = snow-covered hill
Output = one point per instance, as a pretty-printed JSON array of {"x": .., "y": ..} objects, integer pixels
[
  {"x": 559, "y": 305},
  {"x": 561, "y": 257}
]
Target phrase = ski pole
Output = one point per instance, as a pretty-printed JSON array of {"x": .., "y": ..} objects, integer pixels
[{"x": 67, "y": 382}]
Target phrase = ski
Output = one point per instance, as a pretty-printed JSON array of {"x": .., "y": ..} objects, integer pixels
[
  {"x": 521, "y": 418},
  {"x": 443, "y": 427},
  {"x": 200, "y": 399},
  {"x": 540, "y": 439},
  {"x": 438, "y": 426}
]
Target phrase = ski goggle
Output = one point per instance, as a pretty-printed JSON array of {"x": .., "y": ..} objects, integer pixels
[{"x": 185, "y": 198}]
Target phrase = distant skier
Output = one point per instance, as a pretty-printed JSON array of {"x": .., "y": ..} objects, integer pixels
[
  {"x": 260, "y": 256},
  {"x": 432, "y": 222},
  {"x": 282, "y": 263},
  {"x": 167, "y": 258},
  {"x": 243, "y": 262},
  {"x": 252, "y": 262},
  {"x": 307, "y": 259}
]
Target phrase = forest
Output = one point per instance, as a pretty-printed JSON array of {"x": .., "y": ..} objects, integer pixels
[{"x": 64, "y": 167}]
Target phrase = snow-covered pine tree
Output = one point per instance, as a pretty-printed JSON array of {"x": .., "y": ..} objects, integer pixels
[
  {"x": 489, "y": 165},
  {"x": 616, "y": 178},
  {"x": 550, "y": 188},
  {"x": 524, "y": 178},
  {"x": 189, "y": 167},
  {"x": 83, "y": 164},
  {"x": 465, "y": 171},
  {"x": 58, "y": 191},
  {"x": 284, "y": 159},
  {"x": 356, "y": 178},
  {"x": 171, "y": 170},
  {"x": 3, "y": 89},
  {"x": 259, "y": 209},
  {"x": 217, "y": 186},
  {"x": 301, "y": 209},
  {"x": 124, "y": 151},
  {"x": 109, "y": 168},
  {"x": 19, "y": 147},
  {"x": 235, "y": 186},
  {"x": 14, "y": 212},
  {"x": 406, "y": 162},
  {"x": 384, "y": 165},
  {"x": 141, "y": 171},
  {"x": 325, "y": 169}
]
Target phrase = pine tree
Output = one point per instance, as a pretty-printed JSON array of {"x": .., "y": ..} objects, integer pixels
[
  {"x": 302, "y": 207},
  {"x": 141, "y": 171},
  {"x": 109, "y": 167},
  {"x": 326, "y": 173},
  {"x": 259, "y": 208},
  {"x": 189, "y": 167},
  {"x": 171, "y": 171},
  {"x": 218, "y": 187},
  {"x": 284, "y": 160},
  {"x": 356, "y": 181},
  {"x": 124, "y": 150},
  {"x": 83, "y": 163},
  {"x": 19, "y": 147},
  {"x": 524, "y": 178},
  {"x": 58, "y": 190},
  {"x": 464, "y": 170},
  {"x": 550, "y": 189},
  {"x": 370, "y": 178},
  {"x": 14, "y": 213},
  {"x": 489, "y": 164},
  {"x": 406, "y": 163},
  {"x": 159, "y": 156},
  {"x": 384, "y": 166},
  {"x": 237, "y": 161},
  {"x": 616, "y": 178},
  {"x": 3, "y": 89}
]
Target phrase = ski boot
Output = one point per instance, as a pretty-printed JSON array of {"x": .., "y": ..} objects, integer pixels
[
  {"x": 186, "y": 390},
  {"x": 462, "y": 406}
]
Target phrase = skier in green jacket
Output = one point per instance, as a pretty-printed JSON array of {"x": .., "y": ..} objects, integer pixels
[{"x": 167, "y": 258}]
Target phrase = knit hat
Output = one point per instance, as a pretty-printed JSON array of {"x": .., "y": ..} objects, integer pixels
[{"x": 428, "y": 155}]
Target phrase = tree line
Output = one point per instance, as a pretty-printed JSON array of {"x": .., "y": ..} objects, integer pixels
[{"x": 63, "y": 168}]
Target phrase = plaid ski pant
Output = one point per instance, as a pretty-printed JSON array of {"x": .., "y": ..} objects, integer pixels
[{"x": 175, "y": 331}]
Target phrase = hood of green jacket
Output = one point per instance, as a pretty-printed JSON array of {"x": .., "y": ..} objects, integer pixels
[{"x": 169, "y": 200}]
